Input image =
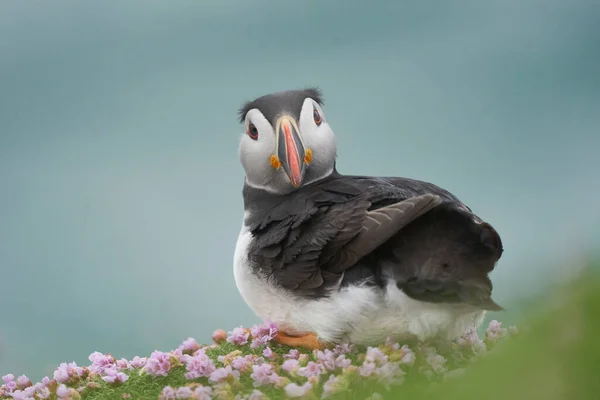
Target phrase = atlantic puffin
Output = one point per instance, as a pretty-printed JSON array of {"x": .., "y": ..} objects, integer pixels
[{"x": 333, "y": 258}]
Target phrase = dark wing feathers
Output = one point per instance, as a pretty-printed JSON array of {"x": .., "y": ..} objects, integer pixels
[
  {"x": 301, "y": 265},
  {"x": 348, "y": 228},
  {"x": 380, "y": 225},
  {"x": 441, "y": 258}
]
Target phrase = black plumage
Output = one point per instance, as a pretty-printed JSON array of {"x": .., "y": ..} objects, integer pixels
[{"x": 435, "y": 249}]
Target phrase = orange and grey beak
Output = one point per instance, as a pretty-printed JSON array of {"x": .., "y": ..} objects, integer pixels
[{"x": 290, "y": 150}]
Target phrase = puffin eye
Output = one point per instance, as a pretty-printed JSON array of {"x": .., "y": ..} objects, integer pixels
[
  {"x": 317, "y": 117},
  {"x": 252, "y": 131}
]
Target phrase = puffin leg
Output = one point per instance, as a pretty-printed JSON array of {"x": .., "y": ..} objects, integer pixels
[{"x": 308, "y": 341}]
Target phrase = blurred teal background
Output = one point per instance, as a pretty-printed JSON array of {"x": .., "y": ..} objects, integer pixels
[{"x": 120, "y": 183}]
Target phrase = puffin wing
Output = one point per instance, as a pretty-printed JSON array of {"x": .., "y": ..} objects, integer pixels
[
  {"x": 445, "y": 257},
  {"x": 334, "y": 239},
  {"x": 380, "y": 225}
]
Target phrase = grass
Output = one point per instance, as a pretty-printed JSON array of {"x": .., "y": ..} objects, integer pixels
[{"x": 554, "y": 357}]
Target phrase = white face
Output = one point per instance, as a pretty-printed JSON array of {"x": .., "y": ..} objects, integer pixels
[{"x": 289, "y": 154}]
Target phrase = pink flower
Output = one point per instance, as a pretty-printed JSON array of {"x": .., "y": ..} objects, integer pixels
[
  {"x": 263, "y": 334},
  {"x": 367, "y": 368},
  {"x": 223, "y": 373},
  {"x": 263, "y": 374},
  {"x": 62, "y": 391},
  {"x": 342, "y": 362},
  {"x": 100, "y": 362},
  {"x": 159, "y": 364},
  {"x": 238, "y": 336},
  {"x": 293, "y": 390},
  {"x": 184, "y": 392},
  {"x": 189, "y": 345},
  {"x": 495, "y": 331},
  {"x": 292, "y": 354},
  {"x": 114, "y": 376},
  {"x": 23, "y": 382},
  {"x": 168, "y": 393},
  {"x": 198, "y": 365},
  {"x": 203, "y": 393},
  {"x": 408, "y": 356},
  {"x": 327, "y": 358},
  {"x": 311, "y": 369},
  {"x": 268, "y": 353},
  {"x": 242, "y": 363},
  {"x": 138, "y": 362},
  {"x": 343, "y": 348},
  {"x": 290, "y": 365},
  {"x": 375, "y": 355},
  {"x": 256, "y": 395}
]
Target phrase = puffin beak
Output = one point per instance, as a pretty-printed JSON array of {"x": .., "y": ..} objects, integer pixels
[{"x": 290, "y": 149}]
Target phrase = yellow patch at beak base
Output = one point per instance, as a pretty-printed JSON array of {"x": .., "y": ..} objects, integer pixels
[
  {"x": 308, "y": 156},
  {"x": 275, "y": 163}
]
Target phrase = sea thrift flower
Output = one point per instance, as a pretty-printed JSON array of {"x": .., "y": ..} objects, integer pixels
[
  {"x": 23, "y": 382},
  {"x": 327, "y": 358},
  {"x": 43, "y": 393},
  {"x": 290, "y": 365},
  {"x": 242, "y": 363},
  {"x": 256, "y": 395},
  {"x": 114, "y": 376},
  {"x": 292, "y": 354},
  {"x": 63, "y": 392},
  {"x": 367, "y": 368},
  {"x": 123, "y": 364},
  {"x": 203, "y": 393},
  {"x": 293, "y": 390},
  {"x": 311, "y": 369},
  {"x": 343, "y": 348},
  {"x": 263, "y": 374},
  {"x": 228, "y": 358},
  {"x": 223, "y": 373},
  {"x": 184, "y": 392},
  {"x": 100, "y": 362},
  {"x": 219, "y": 335},
  {"x": 138, "y": 362},
  {"x": 11, "y": 386},
  {"x": 159, "y": 363},
  {"x": 268, "y": 353},
  {"x": 189, "y": 346},
  {"x": 470, "y": 339},
  {"x": 263, "y": 334},
  {"x": 408, "y": 356},
  {"x": 375, "y": 355},
  {"x": 168, "y": 393},
  {"x": 198, "y": 365},
  {"x": 238, "y": 336},
  {"x": 495, "y": 331},
  {"x": 61, "y": 374}
]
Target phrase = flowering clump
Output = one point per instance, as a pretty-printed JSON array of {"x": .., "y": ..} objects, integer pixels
[{"x": 248, "y": 364}]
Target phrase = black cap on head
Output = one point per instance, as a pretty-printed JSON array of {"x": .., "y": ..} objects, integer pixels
[{"x": 273, "y": 104}]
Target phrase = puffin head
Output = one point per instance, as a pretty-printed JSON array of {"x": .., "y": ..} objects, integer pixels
[{"x": 287, "y": 142}]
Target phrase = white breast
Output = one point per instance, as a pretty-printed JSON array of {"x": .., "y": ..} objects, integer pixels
[{"x": 361, "y": 315}]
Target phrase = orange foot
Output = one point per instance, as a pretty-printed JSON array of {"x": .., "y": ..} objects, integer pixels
[{"x": 308, "y": 341}]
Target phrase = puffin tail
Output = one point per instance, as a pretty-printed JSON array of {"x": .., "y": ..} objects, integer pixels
[{"x": 491, "y": 305}]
